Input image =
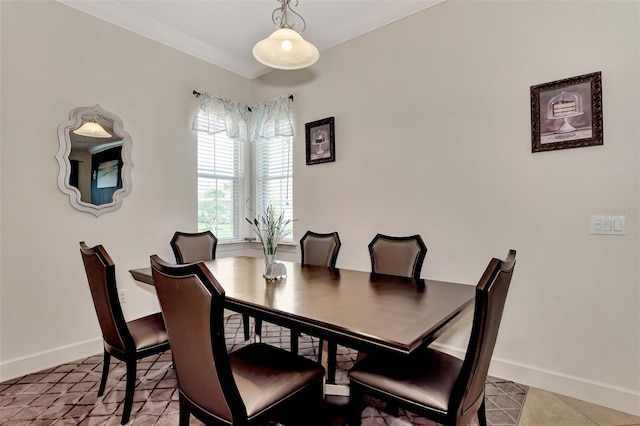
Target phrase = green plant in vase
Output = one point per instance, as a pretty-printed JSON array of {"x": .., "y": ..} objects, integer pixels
[{"x": 271, "y": 229}]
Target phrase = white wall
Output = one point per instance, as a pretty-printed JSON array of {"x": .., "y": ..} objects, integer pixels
[
  {"x": 54, "y": 59},
  {"x": 433, "y": 137}
]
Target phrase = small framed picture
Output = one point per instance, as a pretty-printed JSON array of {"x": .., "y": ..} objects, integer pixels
[
  {"x": 320, "y": 141},
  {"x": 567, "y": 113}
]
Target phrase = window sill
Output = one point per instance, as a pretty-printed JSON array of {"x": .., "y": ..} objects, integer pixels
[{"x": 284, "y": 247}]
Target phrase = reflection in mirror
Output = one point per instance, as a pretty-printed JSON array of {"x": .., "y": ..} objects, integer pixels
[{"x": 95, "y": 160}]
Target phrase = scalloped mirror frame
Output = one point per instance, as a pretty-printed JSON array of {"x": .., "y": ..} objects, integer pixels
[{"x": 64, "y": 138}]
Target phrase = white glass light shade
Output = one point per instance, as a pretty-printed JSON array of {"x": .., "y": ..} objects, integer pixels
[
  {"x": 285, "y": 49},
  {"x": 93, "y": 130}
]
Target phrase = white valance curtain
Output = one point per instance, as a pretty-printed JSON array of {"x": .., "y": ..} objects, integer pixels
[
  {"x": 265, "y": 120},
  {"x": 271, "y": 119},
  {"x": 217, "y": 115}
]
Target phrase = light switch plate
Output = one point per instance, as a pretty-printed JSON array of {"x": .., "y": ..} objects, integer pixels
[{"x": 607, "y": 225}]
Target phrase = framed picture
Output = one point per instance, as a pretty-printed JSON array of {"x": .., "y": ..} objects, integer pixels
[
  {"x": 321, "y": 141},
  {"x": 107, "y": 174},
  {"x": 567, "y": 113}
]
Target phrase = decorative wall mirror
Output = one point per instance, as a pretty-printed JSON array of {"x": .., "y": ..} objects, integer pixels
[{"x": 95, "y": 160}]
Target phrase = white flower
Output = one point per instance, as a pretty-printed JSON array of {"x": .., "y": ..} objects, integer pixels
[{"x": 270, "y": 229}]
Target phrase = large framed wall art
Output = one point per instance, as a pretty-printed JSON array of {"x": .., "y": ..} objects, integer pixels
[{"x": 567, "y": 113}]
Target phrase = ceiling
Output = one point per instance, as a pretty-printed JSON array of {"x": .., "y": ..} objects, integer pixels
[{"x": 223, "y": 32}]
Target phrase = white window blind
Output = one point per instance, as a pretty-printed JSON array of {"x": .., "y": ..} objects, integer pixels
[
  {"x": 223, "y": 128},
  {"x": 274, "y": 175},
  {"x": 221, "y": 184}
]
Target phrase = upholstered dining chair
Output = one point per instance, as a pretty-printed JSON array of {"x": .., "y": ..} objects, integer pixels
[
  {"x": 320, "y": 249},
  {"x": 400, "y": 256},
  {"x": 189, "y": 247},
  {"x": 127, "y": 341},
  {"x": 434, "y": 384},
  {"x": 247, "y": 386}
]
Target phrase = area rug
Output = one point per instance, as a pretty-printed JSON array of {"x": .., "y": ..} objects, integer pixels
[{"x": 68, "y": 394}]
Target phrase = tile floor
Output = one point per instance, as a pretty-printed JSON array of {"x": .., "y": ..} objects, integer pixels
[
  {"x": 67, "y": 395},
  {"x": 543, "y": 408}
]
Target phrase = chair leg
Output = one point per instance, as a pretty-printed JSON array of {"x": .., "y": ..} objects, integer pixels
[
  {"x": 355, "y": 406},
  {"x": 105, "y": 372},
  {"x": 311, "y": 407},
  {"x": 482, "y": 414},
  {"x": 332, "y": 355},
  {"x": 294, "y": 342},
  {"x": 258, "y": 330},
  {"x": 392, "y": 409},
  {"x": 245, "y": 324},
  {"x": 320, "y": 345},
  {"x": 184, "y": 412},
  {"x": 130, "y": 389}
]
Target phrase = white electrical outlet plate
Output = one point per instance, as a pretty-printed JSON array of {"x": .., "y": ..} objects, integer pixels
[{"x": 607, "y": 225}]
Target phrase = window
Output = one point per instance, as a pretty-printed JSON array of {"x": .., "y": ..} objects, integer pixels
[
  {"x": 274, "y": 176},
  {"x": 224, "y": 191},
  {"x": 221, "y": 184}
]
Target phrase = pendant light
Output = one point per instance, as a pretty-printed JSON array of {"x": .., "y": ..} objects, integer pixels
[
  {"x": 92, "y": 129},
  {"x": 285, "y": 48}
]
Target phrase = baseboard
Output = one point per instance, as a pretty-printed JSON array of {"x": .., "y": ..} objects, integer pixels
[
  {"x": 609, "y": 396},
  {"x": 18, "y": 367}
]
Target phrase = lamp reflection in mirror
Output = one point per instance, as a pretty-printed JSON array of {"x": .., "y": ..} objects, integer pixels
[
  {"x": 93, "y": 129},
  {"x": 95, "y": 168},
  {"x": 285, "y": 48}
]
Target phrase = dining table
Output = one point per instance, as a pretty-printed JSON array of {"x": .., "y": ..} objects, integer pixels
[{"x": 357, "y": 309}]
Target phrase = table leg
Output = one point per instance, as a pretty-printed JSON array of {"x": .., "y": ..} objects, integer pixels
[
  {"x": 258, "y": 333},
  {"x": 328, "y": 361},
  {"x": 336, "y": 390}
]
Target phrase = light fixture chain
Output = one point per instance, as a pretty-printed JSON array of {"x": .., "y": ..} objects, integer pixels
[{"x": 279, "y": 16}]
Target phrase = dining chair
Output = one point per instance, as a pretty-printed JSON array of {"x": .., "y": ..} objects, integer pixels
[
  {"x": 128, "y": 341},
  {"x": 433, "y": 384},
  {"x": 247, "y": 386},
  {"x": 189, "y": 247},
  {"x": 400, "y": 256},
  {"x": 320, "y": 249}
]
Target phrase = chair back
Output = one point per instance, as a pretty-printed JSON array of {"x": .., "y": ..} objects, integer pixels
[
  {"x": 400, "y": 256},
  {"x": 101, "y": 275},
  {"x": 192, "y": 304},
  {"x": 320, "y": 249},
  {"x": 491, "y": 294},
  {"x": 194, "y": 247}
]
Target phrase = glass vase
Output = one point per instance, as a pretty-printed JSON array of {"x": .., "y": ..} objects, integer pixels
[{"x": 273, "y": 270}]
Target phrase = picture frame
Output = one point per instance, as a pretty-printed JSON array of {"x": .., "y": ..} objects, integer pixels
[
  {"x": 567, "y": 113},
  {"x": 107, "y": 174},
  {"x": 320, "y": 141}
]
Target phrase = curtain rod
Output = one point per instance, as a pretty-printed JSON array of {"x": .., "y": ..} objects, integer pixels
[{"x": 198, "y": 94}]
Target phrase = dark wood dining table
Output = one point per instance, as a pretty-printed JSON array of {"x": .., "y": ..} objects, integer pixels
[{"x": 357, "y": 309}]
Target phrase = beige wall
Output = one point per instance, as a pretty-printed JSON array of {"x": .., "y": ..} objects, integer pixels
[
  {"x": 54, "y": 59},
  {"x": 433, "y": 137}
]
